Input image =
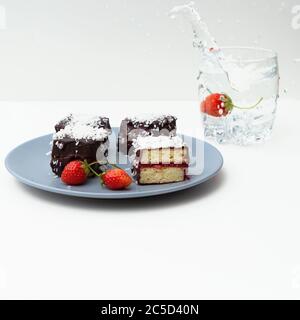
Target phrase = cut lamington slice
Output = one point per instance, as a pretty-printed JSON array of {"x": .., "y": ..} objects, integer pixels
[
  {"x": 144, "y": 125},
  {"x": 80, "y": 138},
  {"x": 159, "y": 160}
]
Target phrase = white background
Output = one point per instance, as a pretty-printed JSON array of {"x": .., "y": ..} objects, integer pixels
[
  {"x": 131, "y": 49},
  {"x": 236, "y": 236}
]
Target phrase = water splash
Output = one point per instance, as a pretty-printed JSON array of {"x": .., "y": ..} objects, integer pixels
[
  {"x": 247, "y": 75},
  {"x": 202, "y": 37},
  {"x": 212, "y": 58}
]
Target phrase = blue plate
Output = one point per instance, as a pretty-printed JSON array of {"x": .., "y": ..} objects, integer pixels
[{"x": 30, "y": 165}]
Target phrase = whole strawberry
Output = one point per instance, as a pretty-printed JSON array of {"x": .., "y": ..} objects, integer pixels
[
  {"x": 116, "y": 179},
  {"x": 217, "y": 105},
  {"x": 220, "y": 105},
  {"x": 75, "y": 173}
]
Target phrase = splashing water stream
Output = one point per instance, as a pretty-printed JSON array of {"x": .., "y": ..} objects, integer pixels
[
  {"x": 248, "y": 75},
  {"x": 212, "y": 56}
]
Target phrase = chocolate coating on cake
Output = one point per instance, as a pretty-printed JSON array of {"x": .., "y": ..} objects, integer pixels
[
  {"x": 67, "y": 149},
  {"x": 131, "y": 128},
  {"x": 80, "y": 137}
]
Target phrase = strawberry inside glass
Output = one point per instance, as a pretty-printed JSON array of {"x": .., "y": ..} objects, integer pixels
[
  {"x": 239, "y": 105},
  {"x": 238, "y": 86}
]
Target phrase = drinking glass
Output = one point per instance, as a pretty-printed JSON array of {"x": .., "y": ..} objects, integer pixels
[{"x": 251, "y": 80}]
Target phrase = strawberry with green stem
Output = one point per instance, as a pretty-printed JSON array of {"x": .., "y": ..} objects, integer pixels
[
  {"x": 114, "y": 179},
  {"x": 220, "y": 104}
]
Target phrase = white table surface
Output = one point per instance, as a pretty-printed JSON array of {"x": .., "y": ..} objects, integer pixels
[{"x": 237, "y": 236}]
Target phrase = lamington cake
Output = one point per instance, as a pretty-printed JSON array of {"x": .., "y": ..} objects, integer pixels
[
  {"x": 144, "y": 125},
  {"x": 80, "y": 137},
  {"x": 158, "y": 160}
]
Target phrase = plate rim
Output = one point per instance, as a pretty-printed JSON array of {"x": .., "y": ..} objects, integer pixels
[{"x": 114, "y": 194}]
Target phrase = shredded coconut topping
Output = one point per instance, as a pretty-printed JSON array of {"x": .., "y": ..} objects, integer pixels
[
  {"x": 82, "y": 119},
  {"x": 80, "y": 131},
  {"x": 151, "y": 117},
  {"x": 81, "y": 127},
  {"x": 151, "y": 142}
]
